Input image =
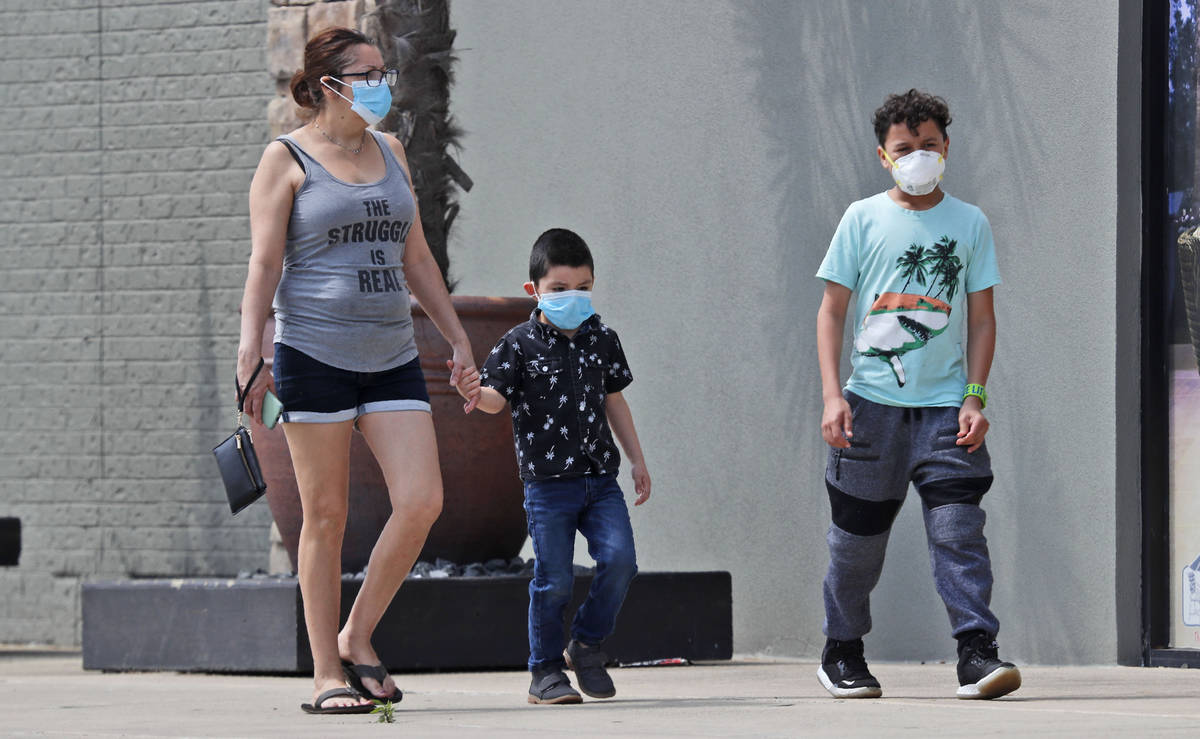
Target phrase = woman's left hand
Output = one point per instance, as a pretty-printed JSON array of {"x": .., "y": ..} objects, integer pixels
[{"x": 462, "y": 365}]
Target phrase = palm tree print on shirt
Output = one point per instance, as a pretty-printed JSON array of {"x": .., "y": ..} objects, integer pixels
[
  {"x": 898, "y": 323},
  {"x": 945, "y": 266},
  {"x": 912, "y": 264}
]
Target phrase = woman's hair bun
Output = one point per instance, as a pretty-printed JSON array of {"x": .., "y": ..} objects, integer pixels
[
  {"x": 325, "y": 54},
  {"x": 301, "y": 92}
]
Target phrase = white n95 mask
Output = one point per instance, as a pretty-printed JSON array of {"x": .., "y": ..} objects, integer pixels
[{"x": 918, "y": 173}]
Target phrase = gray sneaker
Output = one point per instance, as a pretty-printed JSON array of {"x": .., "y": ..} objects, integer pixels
[
  {"x": 552, "y": 686},
  {"x": 588, "y": 664}
]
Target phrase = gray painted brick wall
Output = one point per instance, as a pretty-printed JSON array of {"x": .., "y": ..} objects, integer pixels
[{"x": 123, "y": 239}]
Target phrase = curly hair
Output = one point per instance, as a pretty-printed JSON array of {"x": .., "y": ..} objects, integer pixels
[{"x": 913, "y": 107}]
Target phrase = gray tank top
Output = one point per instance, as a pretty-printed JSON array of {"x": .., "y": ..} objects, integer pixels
[{"x": 342, "y": 298}]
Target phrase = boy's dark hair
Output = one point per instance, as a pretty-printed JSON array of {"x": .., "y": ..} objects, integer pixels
[
  {"x": 558, "y": 247},
  {"x": 912, "y": 107}
]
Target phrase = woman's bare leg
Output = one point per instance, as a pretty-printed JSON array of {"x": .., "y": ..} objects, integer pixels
[
  {"x": 321, "y": 457},
  {"x": 404, "y": 444}
]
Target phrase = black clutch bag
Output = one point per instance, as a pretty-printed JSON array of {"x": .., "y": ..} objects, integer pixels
[{"x": 237, "y": 461}]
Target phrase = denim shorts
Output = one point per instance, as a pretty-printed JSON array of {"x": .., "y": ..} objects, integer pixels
[{"x": 315, "y": 392}]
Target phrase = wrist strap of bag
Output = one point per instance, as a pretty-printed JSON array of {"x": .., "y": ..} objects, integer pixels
[{"x": 250, "y": 383}]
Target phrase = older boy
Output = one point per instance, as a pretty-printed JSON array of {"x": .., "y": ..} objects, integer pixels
[
  {"x": 562, "y": 372},
  {"x": 914, "y": 258}
]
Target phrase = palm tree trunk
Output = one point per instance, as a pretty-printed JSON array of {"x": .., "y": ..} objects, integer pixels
[{"x": 415, "y": 38}]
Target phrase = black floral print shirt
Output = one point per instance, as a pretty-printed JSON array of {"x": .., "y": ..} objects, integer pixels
[{"x": 556, "y": 388}]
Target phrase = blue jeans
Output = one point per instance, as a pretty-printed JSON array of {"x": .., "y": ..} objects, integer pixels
[{"x": 555, "y": 509}]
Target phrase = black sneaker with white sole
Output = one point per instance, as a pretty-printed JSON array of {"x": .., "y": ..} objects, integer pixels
[
  {"x": 981, "y": 673},
  {"x": 844, "y": 672}
]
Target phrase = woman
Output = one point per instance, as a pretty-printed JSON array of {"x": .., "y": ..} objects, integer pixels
[{"x": 337, "y": 240}]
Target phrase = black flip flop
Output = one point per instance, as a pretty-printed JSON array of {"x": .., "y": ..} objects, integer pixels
[
  {"x": 355, "y": 674},
  {"x": 318, "y": 705}
]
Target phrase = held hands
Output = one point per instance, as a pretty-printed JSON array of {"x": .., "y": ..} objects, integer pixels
[
  {"x": 247, "y": 362},
  {"x": 972, "y": 426},
  {"x": 641, "y": 482},
  {"x": 468, "y": 386},
  {"x": 836, "y": 423},
  {"x": 464, "y": 377}
]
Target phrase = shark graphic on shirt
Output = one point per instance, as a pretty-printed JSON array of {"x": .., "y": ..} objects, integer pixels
[
  {"x": 902, "y": 322},
  {"x": 899, "y": 323}
]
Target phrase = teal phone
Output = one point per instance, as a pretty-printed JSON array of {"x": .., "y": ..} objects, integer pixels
[{"x": 271, "y": 408}]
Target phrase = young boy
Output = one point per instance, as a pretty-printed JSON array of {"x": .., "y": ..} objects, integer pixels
[
  {"x": 562, "y": 373},
  {"x": 914, "y": 258}
]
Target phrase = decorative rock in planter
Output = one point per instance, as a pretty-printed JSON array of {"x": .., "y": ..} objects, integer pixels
[{"x": 483, "y": 515}]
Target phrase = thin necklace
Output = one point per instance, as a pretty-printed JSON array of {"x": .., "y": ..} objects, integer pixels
[{"x": 339, "y": 144}]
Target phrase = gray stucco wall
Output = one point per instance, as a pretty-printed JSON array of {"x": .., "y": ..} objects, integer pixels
[{"x": 706, "y": 151}]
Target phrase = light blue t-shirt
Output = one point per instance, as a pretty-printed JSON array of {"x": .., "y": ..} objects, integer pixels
[{"x": 910, "y": 272}]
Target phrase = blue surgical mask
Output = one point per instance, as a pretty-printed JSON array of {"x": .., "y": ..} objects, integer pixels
[
  {"x": 567, "y": 309},
  {"x": 370, "y": 103}
]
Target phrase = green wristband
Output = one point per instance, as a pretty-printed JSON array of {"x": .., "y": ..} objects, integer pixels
[{"x": 978, "y": 391}]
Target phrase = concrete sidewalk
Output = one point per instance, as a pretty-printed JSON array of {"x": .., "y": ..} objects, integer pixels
[{"x": 49, "y": 694}]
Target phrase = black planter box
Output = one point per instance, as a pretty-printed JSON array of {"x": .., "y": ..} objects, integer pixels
[{"x": 257, "y": 625}]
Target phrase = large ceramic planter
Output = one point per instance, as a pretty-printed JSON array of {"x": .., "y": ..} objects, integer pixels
[{"x": 482, "y": 515}]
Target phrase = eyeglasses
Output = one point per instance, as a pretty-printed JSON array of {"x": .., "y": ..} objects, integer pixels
[{"x": 375, "y": 76}]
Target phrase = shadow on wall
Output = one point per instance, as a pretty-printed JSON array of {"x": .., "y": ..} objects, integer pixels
[{"x": 821, "y": 69}]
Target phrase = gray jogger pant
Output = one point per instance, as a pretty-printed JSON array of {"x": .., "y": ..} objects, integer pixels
[{"x": 867, "y": 483}]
